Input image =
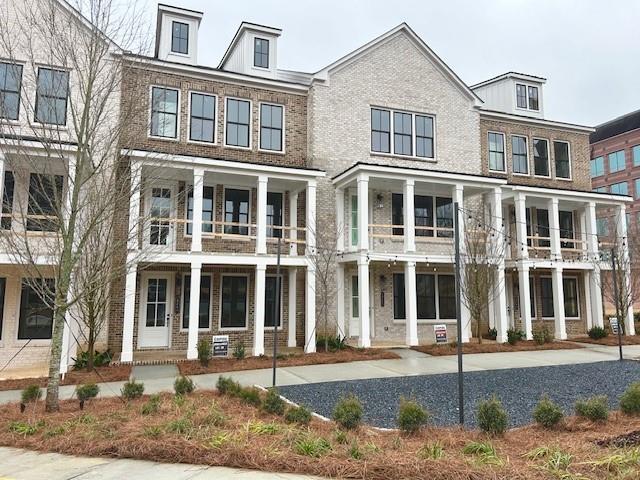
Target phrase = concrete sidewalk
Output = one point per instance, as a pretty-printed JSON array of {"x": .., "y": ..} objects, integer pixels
[
  {"x": 17, "y": 464},
  {"x": 161, "y": 378}
]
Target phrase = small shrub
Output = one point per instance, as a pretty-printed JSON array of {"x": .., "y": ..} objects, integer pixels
[
  {"x": 238, "y": 351},
  {"x": 492, "y": 333},
  {"x": 630, "y": 400},
  {"x": 183, "y": 385},
  {"x": 226, "y": 385},
  {"x": 204, "y": 352},
  {"x": 514, "y": 336},
  {"x": 542, "y": 335},
  {"x": 484, "y": 452},
  {"x": 86, "y": 392},
  {"x": 100, "y": 359},
  {"x": 132, "y": 390},
  {"x": 334, "y": 343},
  {"x": 597, "y": 333},
  {"x": 250, "y": 395},
  {"x": 273, "y": 403},
  {"x": 492, "y": 417},
  {"x": 595, "y": 408},
  {"x": 431, "y": 451},
  {"x": 312, "y": 446},
  {"x": 411, "y": 416},
  {"x": 31, "y": 394},
  {"x": 152, "y": 405},
  {"x": 348, "y": 412},
  {"x": 547, "y": 413},
  {"x": 300, "y": 414}
]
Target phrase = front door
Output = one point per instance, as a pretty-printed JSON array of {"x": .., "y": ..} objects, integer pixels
[
  {"x": 160, "y": 230},
  {"x": 155, "y": 310}
]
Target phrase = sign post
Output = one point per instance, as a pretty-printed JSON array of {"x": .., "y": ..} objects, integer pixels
[
  {"x": 615, "y": 299},
  {"x": 456, "y": 223}
]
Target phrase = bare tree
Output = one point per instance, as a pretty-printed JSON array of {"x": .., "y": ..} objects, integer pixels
[{"x": 70, "y": 135}]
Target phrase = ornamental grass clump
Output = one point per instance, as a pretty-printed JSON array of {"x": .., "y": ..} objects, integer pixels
[
  {"x": 547, "y": 413},
  {"x": 183, "y": 385},
  {"x": 299, "y": 414},
  {"x": 630, "y": 400},
  {"x": 132, "y": 390},
  {"x": 273, "y": 402},
  {"x": 227, "y": 386},
  {"x": 411, "y": 416},
  {"x": 595, "y": 408},
  {"x": 492, "y": 417},
  {"x": 348, "y": 412}
]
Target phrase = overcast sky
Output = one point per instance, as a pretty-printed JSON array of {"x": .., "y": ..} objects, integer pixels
[{"x": 589, "y": 50}]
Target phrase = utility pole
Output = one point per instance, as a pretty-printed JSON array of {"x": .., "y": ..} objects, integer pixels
[
  {"x": 616, "y": 298},
  {"x": 456, "y": 222},
  {"x": 276, "y": 312}
]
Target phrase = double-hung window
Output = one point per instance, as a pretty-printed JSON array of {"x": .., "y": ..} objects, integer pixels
[
  {"x": 234, "y": 302},
  {"x": 426, "y": 296},
  {"x": 496, "y": 152},
  {"x": 533, "y": 98},
  {"x": 355, "y": 298},
  {"x": 532, "y": 296},
  {"x": 616, "y": 161},
  {"x": 45, "y": 198},
  {"x": 423, "y": 206},
  {"x": 274, "y": 214},
  {"x": 402, "y": 133},
  {"x": 260, "y": 53},
  {"x": 521, "y": 95},
  {"x": 238, "y": 122},
  {"x": 542, "y": 217},
  {"x": 597, "y": 167},
  {"x": 446, "y": 297},
  {"x": 621, "y": 188},
  {"x": 10, "y": 82},
  {"x": 424, "y": 136},
  {"x": 202, "y": 125},
  {"x": 207, "y": 210},
  {"x": 236, "y": 211},
  {"x": 51, "y": 96},
  {"x": 205, "y": 302},
  {"x": 563, "y": 162},
  {"x": 180, "y": 38},
  {"x": 271, "y": 127},
  {"x": 380, "y": 130},
  {"x": 164, "y": 112},
  {"x": 398, "y": 297},
  {"x": 397, "y": 213},
  {"x": 540, "y": 157},
  {"x": 566, "y": 228},
  {"x": 546, "y": 294},
  {"x": 7, "y": 200},
  {"x": 527, "y": 97},
  {"x": 36, "y": 309},
  {"x": 519, "y": 154},
  {"x": 272, "y": 301},
  {"x": 444, "y": 217},
  {"x": 570, "y": 290}
]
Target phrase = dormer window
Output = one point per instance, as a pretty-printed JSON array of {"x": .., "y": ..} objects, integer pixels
[
  {"x": 180, "y": 38},
  {"x": 260, "y": 53},
  {"x": 527, "y": 97},
  {"x": 533, "y": 98}
]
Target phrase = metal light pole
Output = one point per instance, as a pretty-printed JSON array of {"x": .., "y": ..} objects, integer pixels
[
  {"x": 276, "y": 312},
  {"x": 615, "y": 298},
  {"x": 456, "y": 223}
]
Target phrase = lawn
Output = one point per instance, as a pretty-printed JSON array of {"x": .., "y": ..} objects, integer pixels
[
  {"x": 488, "y": 346},
  {"x": 115, "y": 373},
  {"x": 208, "y": 428}
]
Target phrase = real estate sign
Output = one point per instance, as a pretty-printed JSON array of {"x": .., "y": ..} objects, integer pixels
[
  {"x": 613, "y": 322},
  {"x": 440, "y": 333},
  {"x": 220, "y": 345}
]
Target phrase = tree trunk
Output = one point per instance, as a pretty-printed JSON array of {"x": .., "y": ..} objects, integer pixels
[
  {"x": 90, "y": 351},
  {"x": 53, "y": 382}
]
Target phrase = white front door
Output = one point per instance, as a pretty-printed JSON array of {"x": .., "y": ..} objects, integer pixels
[
  {"x": 156, "y": 305},
  {"x": 160, "y": 201}
]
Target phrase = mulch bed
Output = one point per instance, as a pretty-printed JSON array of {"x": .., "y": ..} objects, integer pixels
[
  {"x": 218, "y": 365},
  {"x": 209, "y": 429},
  {"x": 491, "y": 347},
  {"x": 610, "y": 340},
  {"x": 116, "y": 373}
]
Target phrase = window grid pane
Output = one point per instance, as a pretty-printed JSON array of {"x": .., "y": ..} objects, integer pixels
[
  {"x": 616, "y": 161},
  {"x": 236, "y": 210},
  {"x": 271, "y": 127},
  {"x": 274, "y": 214},
  {"x": 424, "y": 136},
  {"x": 164, "y": 112},
  {"x": 402, "y": 133},
  {"x": 10, "y": 83},
  {"x": 234, "y": 302},
  {"x": 496, "y": 151},
  {"x": 7, "y": 200},
  {"x": 597, "y": 167},
  {"x": 521, "y": 95},
  {"x": 380, "y": 130},
  {"x": 261, "y": 53},
  {"x": 519, "y": 153},
  {"x": 203, "y": 111},
  {"x": 237, "y": 123},
  {"x": 540, "y": 157},
  {"x": 533, "y": 98},
  {"x": 563, "y": 163},
  {"x": 180, "y": 38},
  {"x": 51, "y": 96}
]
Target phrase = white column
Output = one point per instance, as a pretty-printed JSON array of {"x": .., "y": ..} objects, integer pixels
[
  {"x": 340, "y": 300},
  {"x": 363, "y": 212},
  {"x": 623, "y": 246},
  {"x": 310, "y": 313},
  {"x": 311, "y": 223},
  {"x": 411, "y": 303},
  {"x": 293, "y": 284},
  {"x": 261, "y": 215},
  {"x": 194, "y": 309},
  {"x": 196, "y": 225},
  {"x": 587, "y": 297},
  {"x": 593, "y": 253},
  {"x": 558, "y": 304},
  {"x": 364, "y": 341},
  {"x": 409, "y": 216},
  {"x": 457, "y": 194},
  {"x": 521, "y": 226},
  {"x": 258, "y": 311},
  {"x": 525, "y": 300},
  {"x": 134, "y": 205},
  {"x": 554, "y": 229},
  {"x": 293, "y": 223},
  {"x": 499, "y": 297},
  {"x": 340, "y": 220},
  {"x": 129, "y": 310}
]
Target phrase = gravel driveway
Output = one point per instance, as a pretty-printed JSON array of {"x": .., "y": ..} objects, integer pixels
[{"x": 519, "y": 389}]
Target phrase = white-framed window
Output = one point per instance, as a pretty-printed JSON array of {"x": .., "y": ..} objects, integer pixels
[
  {"x": 10, "y": 85},
  {"x": 519, "y": 154},
  {"x": 275, "y": 214},
  {"x": 271, "y": 127},
  {"x": 238, "y": 123},
  {"x": 204, "y": 319},
  {"x": 597, "y": 166},
  {"x": 541, "y": 157},
  {"x": 208, "y": 209},
  {"x": 617, "y": 161},
  {"x": 52, "y": 92},
  {"x": 527, "y": 97},
  {"x": 260, "y": 52},
  {"x": 237, "y": 211},
  {"x": 7, "y": 200},
  {"x": 234, "y": 301},
  {"x": 202, "y": 117},
  {"x": 562, "y": 158},
  {"x": 164, "y": 112},
  {"x": 435, "y": 296},
  {"x": 354, "y": 220},
  {"x": 355, "y": 297},
  {"x": 35, "y": 321},
  {"x": 406, "y": 134},
  {"x": 571, "y": 297},
  {"x": 180, "y": 37},
  {"x": 496, "y": 151},
  {"x": 621, "y": 188}
]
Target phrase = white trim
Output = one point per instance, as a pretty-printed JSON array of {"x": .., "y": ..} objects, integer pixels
[
  {"x": 504, "y": 152},
  {"x": 435, "y": 276},
  {"x": 573, "y": 277},
  {"x": 36, "y": 342},
  {"x": 555, "y": 164},
  {"x": 283, "y": 128},
  {"x": 145, "y": 276},
  {"x": 187, "y": 187},
  {"x": 238, "y": 236},
  {"x": 64, "y": 127},
  {"x": 535, "y": 121},
  {"x": 533, "y": 147},
  {"x": 150, "y": 117},
  {"x": 526, "y": 145},
  {"x": 182, "y": 298},
  {"x": 246, "y": 320},
  {"x": 215, "y": 118},
  {"x": 414, "y": 137},
  {"x": 224, "y": 131},
  {"x": 526, "y": 96},
  {"x": 146, "y": 234}
]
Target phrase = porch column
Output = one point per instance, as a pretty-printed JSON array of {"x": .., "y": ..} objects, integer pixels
[
  {"x": 258, "y": 312},
  {"x": 554, "y": 229},
  {"x": 196, "y": 225},
  {"x": 293, "y": 223},
  {"x": 499, "y": 297},
  {"x": 311, "y": 222},
  {"x": 340, "y": 220},
  {"x": 364, "y": 341},
  {"x": 411, "y": 302},
  {"x": 261, "y": 215},
  {"x": 558, "y": 304},
  {"x": 363, "y": 212},
  {"x": 586, "y": 276},
  {"x": 194, "y": 306},
  {"x": 525, "y": 300},
  {"x": 340, "y": 300},
  {"x": 134, "y": 206},
  {"x": 130, "y": 287},
  {"x": 593, "y": 254},
  {"x": 310, "y": 313},
  {"x": 521, "y": 226},
  {"x": 409, "y": 217},
  {"x": 457, "y": 194},
  {"x": 291, "y": 330},
  {"x": 623, "y": 245}
]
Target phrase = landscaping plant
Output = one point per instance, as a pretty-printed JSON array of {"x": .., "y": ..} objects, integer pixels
[
  {"x": 630, "y": 400},
  {"x": 312, "y": 446},
  {"x": 484, "y": 452},
  {"x": 238, "y": 351},
  {"x": 348, "y": 412},
  {"x": 492, "y": 333},
  {"x": 132, "y": 390},
  {"x": 431, "y": 451},
  {"x": 547, "y": 413},
  {"x": 31, "y": 394},
  {"x": 204, "y": 352},
  {"x": 299, "y": 414},
  {"x": 183, "y": 385},
  {"x": 492, "y": 417},
  {"x": 86, "y": 392},
  {"x": 542, "y": 335},
  {"x": 152, "y": 406},
  {"x": 226, "y": 385},
  {"x": 597, "y": 333},
  {"x": 273, "y": 403},
  {"x": 595, "y": 408},
  {"x": 513, "y": 336},
  {"x": 100, "y": 359},
  {"x": 250, "y": 395},
  {"x": 411, "y": 416}
]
